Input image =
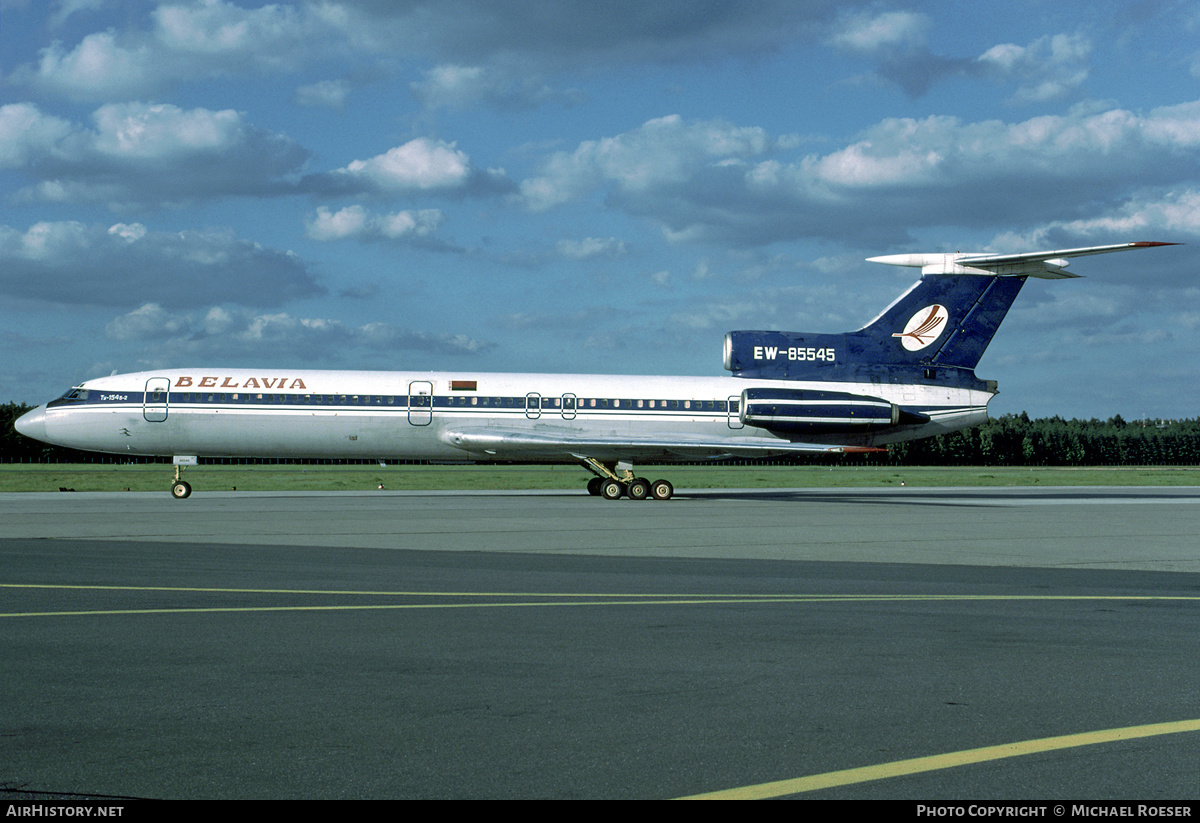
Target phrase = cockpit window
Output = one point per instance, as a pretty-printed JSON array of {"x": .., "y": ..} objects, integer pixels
[{"x": 76, "y": 395}]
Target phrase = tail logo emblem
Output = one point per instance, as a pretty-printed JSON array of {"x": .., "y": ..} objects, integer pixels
[{"x": 924, "y": 327}]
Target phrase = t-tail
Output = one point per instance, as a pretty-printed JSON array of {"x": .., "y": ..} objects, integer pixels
[{"x": 933, "y": 334}]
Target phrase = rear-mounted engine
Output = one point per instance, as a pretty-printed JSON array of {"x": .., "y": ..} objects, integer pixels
[{"x": 820, "y": 412}]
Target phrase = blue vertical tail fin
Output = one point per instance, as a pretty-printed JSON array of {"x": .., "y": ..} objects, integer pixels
[
  {"x": 935, "y": 333},
  {"x": 943, "y": 320}
]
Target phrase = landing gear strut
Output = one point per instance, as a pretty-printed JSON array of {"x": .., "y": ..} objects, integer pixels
[
  {"x": 610, "y": 484},
  {"x": 181, "y": 488}
]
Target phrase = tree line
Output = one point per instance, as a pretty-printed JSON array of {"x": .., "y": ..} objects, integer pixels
[
  {"x": 1018, "y": 440},
  {"x": 1010, "y": 440}
]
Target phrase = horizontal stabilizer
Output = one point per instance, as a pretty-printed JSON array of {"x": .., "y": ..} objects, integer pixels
[{"x": 1045, "y": 264}]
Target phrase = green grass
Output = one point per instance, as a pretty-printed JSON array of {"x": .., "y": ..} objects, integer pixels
[{"x": 95, "y": 477}]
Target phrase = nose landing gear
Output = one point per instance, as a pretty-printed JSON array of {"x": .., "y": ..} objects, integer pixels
[{"x": 180, "y": 488}]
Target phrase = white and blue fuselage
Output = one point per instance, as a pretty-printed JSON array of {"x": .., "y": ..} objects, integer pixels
[
  {"x": 907, "y": 374},
  {"x": 463, "y": 416}
]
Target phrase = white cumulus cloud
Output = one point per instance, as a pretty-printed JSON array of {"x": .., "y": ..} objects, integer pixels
[
  {"x": 356, "y": 222},
  {"x": 868, "y": 32},
  {"x": 418, "y": 164},
  {"x": 422, "y": 165},
  {"x": 142, "y": 153},
  {"x": 70, "y": 262}
]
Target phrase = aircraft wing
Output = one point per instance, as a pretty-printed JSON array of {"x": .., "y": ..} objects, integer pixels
[{"x": 516, "y": 444}]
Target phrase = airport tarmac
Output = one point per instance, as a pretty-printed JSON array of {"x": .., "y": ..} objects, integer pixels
[{"x": 829, "y": 643}]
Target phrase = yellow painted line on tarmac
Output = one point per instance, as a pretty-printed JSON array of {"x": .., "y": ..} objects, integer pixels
[
  {"x": 510, "y": 599},
  {"x": 900, "y": 768},
  {"x": 390, "y": 594},
  {"x": 800, "y": 596},
  {"x": 383, "y": 607}
]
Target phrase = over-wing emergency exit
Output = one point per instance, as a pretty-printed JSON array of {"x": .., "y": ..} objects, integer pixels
[{"x": 909, "y": 373}]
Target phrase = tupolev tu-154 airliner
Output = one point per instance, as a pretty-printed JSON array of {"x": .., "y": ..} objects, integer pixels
[{"x": 909, "y": 373}]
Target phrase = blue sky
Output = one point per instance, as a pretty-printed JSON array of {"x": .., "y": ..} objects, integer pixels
[{"x": 609, "y": 187}]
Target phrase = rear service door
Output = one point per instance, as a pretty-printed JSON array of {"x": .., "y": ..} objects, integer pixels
[{"x": 735, "y": 417}]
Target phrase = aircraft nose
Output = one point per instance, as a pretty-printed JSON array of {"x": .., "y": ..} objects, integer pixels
[{"x": 33, "y": 423}]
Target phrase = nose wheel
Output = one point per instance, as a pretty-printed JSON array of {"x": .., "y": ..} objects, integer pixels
[{"x": 180, "y": 488}]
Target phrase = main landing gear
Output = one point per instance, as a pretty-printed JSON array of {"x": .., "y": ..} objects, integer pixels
[{"x": 610, "y": 485}]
